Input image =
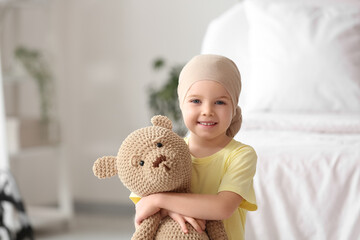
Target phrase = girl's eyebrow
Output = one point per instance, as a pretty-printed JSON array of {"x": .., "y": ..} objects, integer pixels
[{"x": 226, "y": 97}]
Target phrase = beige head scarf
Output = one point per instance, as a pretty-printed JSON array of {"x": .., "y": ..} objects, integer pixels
[{"x": 214, "y": 68}]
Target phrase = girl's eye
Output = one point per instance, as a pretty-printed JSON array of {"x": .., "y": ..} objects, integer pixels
[
  {"x": 195, "y": 101},
  {"x": 159, "y": 145},
  {"x": 220, "y": 102},
  {"x": 141, "y": 163}
]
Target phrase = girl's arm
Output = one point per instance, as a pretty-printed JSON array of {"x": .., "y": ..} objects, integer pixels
[{"x": 200, "y": 206}]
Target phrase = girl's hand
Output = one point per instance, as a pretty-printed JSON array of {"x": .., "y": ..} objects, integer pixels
[
  {"x": 145, "y": 208},
  {"x": 198, "y": 224}
]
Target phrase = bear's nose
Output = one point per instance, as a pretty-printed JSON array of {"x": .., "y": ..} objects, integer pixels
[{"x": 159, "y": 160}]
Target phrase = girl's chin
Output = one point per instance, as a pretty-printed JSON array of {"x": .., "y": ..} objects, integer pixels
[{"x": 208, "y": 134}]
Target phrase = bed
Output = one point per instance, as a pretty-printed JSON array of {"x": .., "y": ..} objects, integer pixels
[{"x": 300, "y": 66}]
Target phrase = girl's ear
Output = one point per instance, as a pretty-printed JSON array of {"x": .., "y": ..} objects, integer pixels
[{"x": 105, "y": 167}]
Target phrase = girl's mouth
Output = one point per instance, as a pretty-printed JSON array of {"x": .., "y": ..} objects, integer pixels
[{"x": 207, "y": 123}]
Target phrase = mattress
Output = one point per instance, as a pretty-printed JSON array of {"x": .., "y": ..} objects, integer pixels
[{"x": 308, "y": 175}]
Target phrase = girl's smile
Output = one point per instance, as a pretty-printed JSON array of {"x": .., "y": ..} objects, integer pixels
[{"x": 207, "y": 124}]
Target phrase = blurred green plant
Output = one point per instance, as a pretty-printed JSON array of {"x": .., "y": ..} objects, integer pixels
[
  {"x": 37, "y": 68},
  {"x": 164, "y": 101}
]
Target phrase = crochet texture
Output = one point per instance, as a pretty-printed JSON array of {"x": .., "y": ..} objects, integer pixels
[{"x": 151, "y": 160}]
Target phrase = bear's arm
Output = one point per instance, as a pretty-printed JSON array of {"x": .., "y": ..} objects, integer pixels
[
  {"x": 148, "y": 228},
  {"x": 215, "y": 229}
]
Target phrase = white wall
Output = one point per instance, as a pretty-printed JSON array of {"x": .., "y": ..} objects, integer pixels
[
  {"x": 102, "y": 53},
  {"x": 4, "y": 161}
]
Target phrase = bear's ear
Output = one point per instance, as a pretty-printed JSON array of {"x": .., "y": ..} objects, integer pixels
[
  {"x": 161, "y": 121},
  {"x": 105, "y": 167}
]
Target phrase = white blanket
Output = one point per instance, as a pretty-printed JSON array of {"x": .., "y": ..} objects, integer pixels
[
  {"x": 308, "y": 176},
  {"x": 321, "y": 123}
]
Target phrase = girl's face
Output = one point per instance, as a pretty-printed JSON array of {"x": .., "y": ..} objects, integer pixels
[{"x": 207, "y": 110}]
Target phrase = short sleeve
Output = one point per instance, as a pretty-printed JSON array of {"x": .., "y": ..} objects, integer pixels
[
  {"x": 135, "y": 198},
  {"x": 240, "y": 168}
]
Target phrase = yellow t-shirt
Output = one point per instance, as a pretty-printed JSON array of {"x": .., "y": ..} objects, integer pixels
[{"x": 230, "y": 169}]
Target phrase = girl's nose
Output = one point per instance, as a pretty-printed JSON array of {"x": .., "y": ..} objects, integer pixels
[{"x": 207, "y": 110}]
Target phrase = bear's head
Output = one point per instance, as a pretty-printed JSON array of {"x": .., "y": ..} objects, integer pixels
[{"x": 150, "y": 160}]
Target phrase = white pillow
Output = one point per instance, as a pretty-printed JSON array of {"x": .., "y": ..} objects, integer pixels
[
  {"x": 227, "y": 35},
  {"x": 303, "y": 58}
]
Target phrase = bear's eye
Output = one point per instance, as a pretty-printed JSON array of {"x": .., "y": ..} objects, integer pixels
[
  {"x": 141, "y": 163},
  {"x": 159, "y": 145}
]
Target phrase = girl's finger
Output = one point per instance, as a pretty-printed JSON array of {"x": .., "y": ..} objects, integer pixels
[
  {"x": 137, "y": 221},
  {"x": 194, "y": 223},
  {"x": 202, "y": 223},
  {"x": 179, "y": 219}
]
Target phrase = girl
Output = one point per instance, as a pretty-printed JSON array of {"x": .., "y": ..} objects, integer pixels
[{"x": 223, "y": 169}]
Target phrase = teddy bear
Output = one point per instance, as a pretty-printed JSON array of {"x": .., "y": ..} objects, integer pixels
[{"x": 151, "y": 160}]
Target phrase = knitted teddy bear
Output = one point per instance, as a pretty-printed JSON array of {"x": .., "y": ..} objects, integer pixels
[{"x": 151, "y": 160}]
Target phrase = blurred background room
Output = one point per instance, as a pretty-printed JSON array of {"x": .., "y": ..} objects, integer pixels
[
  {"x": 77, "y": 77},
  {"x": 85, "y": 88}
]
